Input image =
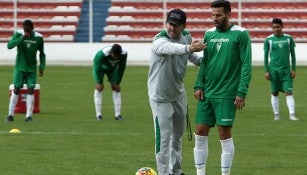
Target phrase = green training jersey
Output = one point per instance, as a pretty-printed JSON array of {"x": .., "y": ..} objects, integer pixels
[
  {"x": 278, "y": 49},
  {"x": 27, "y": 50},
  {"x": 225, "y": 71},
  {"x": 104, "y": 62}
]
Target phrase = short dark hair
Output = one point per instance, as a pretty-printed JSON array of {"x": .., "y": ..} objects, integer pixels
[
  {"x": 222, "y": 3},
  {"x": 277, "y": 21},
  {"x": 28, "y": 23},
  {"x": 116, "y": 49}
]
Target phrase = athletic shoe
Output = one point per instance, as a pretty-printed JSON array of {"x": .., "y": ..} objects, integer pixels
[
  {"x": 277, "y": 117},
  {"x": 179, "y": 174},
  {"x": 119, "y": 117},
  {"x": 29, "y": 119},
  {"x": 10, "y": 118},
  {"x": 293, "y": 118},
  {"x": 99, "y": 118}
]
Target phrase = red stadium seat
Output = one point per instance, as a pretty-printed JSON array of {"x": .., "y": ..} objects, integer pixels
[
  {"x": 138, "y": 21},
  {"x": 56, "y": 18},
  {"x": 141, "y": 20}
]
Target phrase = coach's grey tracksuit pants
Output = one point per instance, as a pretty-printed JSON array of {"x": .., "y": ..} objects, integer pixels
[{"x": 169, "y": 122}]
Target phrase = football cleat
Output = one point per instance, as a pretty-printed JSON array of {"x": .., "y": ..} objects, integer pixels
[
  {"x": 10, "y": 118},
  {"x": 28, "y": 119},
  {"x": 119, "y": 117}
]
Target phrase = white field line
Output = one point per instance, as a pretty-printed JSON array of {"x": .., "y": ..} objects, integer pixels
[{"x": 135, "y": 134}]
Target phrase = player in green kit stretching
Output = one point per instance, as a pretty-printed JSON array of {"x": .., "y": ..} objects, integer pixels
[
  {"x": 221, "y": 86},
  {"x": 28, "y": 42},
  {"x": 278, "y": 47},
  {"x": 110, "y": 61}
]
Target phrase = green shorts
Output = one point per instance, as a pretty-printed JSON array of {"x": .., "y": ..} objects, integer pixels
[
  {"x": 21, "y": 77},
  {"x": 216, "y": 111},
  {"x": 281, "y": 81},
  {"x": 99, "y": 76}
]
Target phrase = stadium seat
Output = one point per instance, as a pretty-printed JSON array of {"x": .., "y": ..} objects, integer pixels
[
  {"x": 56, "y": 19},
  {"x": 131, "y": 19},
  {"x": 143, "y": 18}
]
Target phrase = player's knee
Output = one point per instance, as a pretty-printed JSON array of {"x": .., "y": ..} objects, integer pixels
[
  {"x": 275, "y": 93},
  {"x": 31, "y": 91},
  {"x": 99, "y": 87},
  {"x": 115, "y": 87},
  {"x": 202, "y": 130},
  {"x": 16, "y": 91}
]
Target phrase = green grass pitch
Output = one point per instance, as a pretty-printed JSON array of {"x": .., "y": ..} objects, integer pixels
[{"x": 66, "y": 139}]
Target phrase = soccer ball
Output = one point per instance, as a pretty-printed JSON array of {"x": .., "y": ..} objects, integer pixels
[{"x": 146, "y": 171}]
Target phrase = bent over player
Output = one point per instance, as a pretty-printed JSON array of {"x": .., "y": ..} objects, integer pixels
[
  {"x": 28, "y": 42},
  {"x": 110, "y": 61}
]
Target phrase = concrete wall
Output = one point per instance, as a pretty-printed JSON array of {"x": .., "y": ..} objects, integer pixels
[{"x": 138, "y": 53}]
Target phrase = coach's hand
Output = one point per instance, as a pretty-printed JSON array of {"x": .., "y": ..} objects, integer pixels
[{"x": 197, "y": 46}]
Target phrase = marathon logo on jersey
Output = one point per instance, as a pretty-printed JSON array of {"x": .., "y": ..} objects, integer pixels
[
  {"x": 280, "y": 44},
  {"x": 29, "y": 43},
  {"x": 114, "y": 62},
  {"x": 219, "y": 42},
  {"x": 226, "y": 120}
]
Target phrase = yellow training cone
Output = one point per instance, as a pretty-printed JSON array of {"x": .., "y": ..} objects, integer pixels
[{"x": 15, "y": 131}]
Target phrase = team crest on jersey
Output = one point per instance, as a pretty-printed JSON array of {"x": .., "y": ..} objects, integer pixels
[
  {"x": 218, "y": 46},
  {"x": 280, "y": 45}
]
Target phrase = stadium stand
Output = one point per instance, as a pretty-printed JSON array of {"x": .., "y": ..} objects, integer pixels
[
  {"x": 56, "y": 19},
  {"x": 100, "y": 13},
  {"x": 140, "y": 20}
]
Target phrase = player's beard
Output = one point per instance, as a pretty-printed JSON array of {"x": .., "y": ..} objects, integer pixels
[{"x": 222, "y": 24}]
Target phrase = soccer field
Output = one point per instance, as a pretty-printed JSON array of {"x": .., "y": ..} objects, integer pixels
[{"x": 66, "y": 139}]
